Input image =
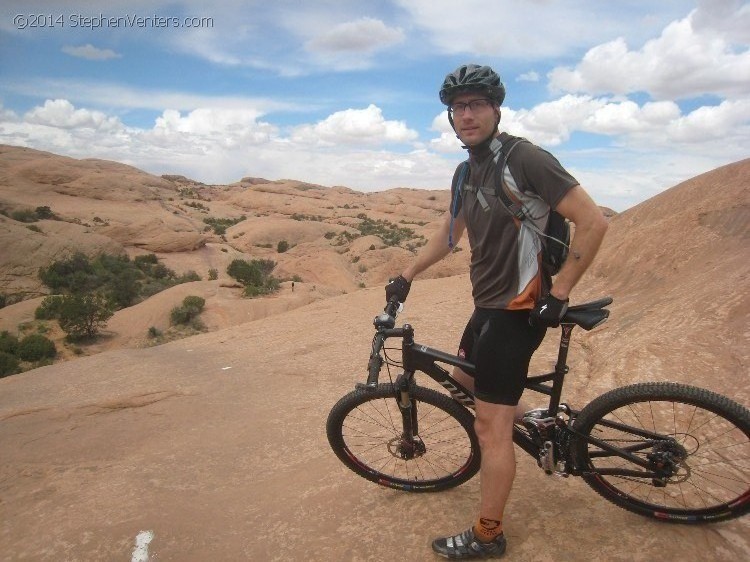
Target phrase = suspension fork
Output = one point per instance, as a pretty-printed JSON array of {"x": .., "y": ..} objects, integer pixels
[
  {"x": 406, "y": 405},
  {"x": 404, "y": 382}
]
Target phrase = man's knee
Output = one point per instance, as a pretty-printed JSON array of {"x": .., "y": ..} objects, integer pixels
[{"x": 494, "y": 424}]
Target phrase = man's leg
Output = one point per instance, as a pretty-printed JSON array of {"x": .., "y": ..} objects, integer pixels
[
  {"x": 494, "y": 428},
  {"x": 468, "y": 382}
]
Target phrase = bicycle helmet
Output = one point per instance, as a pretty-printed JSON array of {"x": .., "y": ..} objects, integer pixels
[{"x": 472, "y": 78}]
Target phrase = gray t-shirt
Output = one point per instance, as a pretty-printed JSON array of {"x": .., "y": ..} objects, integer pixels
[{"x": 506, "y": 270}]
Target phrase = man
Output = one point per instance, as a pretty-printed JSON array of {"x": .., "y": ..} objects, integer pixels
[{"x": 515, "y": 300}]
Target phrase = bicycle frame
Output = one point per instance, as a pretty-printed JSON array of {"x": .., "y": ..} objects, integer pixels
[{"x": 418, "y": 357}]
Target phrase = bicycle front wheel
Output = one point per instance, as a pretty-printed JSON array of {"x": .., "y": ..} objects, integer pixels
[
  {"x": 693, "y": 444},
  {"x": 366, "y": 431}
]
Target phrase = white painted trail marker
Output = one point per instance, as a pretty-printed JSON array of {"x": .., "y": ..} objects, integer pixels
[{"x": 140, "y": 552}]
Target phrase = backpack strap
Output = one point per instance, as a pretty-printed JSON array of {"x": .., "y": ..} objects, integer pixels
[
  {"x": 501, "y": 191},
  {"x": 456, "y": 196}
]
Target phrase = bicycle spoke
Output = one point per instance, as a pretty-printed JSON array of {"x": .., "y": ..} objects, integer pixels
[{"x": 702, "y": 457}]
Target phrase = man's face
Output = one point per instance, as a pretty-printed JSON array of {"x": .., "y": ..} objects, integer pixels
[{"x": 475, "y": 123}]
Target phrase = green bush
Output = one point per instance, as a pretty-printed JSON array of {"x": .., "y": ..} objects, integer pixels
[
  {"x": 44, "y": 213},
  {"x": 9, "y": 364},
  {"x": 49, "y": 309},
  {"x": 145, "y": 260},
  {"x": 245, "y": 272},
  {"x": 84, "y": 315},
  {"x": 282, "y": 246},
  {"x": 123, "y": 281},
  {"x": 8, "y": 343},
  {"x": 193, "y": 301},
  {"x": 191, "y": 307},
  {"x": 213, "y": 274},
  {"x": 220, "y": 225},
  {"x": 36, "y": 347},
  {"x": 255, "y": 275},
  {"x": 24, "y": 215}
]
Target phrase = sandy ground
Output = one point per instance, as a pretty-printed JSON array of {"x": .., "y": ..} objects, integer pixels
[{"x": 216, "y": 444}]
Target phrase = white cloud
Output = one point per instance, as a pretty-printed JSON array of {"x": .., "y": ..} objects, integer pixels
[
  {"x": 355, "y": 127},
  {"x": 222, "y": 145},
  {"x": 721, "y": 131},
  {"x": 531, "y": 76},
  {"x": 530, "y": 30},
  {"x": 61, "y": 114},
  {"x": 123, "y": 96},
  {"x": 551, "y": 123},
  {"x": 693, "y": 56},
  {"x": 364, "y": 35},
  {"x": 88, "y": 51}
]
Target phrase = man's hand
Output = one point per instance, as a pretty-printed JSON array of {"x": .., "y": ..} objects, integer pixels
[
  {"x": 548, "y": 312},
  {"x": 397, "y": 288}
]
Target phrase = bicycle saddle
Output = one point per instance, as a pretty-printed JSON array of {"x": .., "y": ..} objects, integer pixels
[{"x": 588, "y": 315}]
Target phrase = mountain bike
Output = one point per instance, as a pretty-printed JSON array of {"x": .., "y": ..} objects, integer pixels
[{"x": 665, "y": 450}]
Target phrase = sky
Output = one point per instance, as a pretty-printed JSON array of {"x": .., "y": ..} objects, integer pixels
[{"x": 632, "y": 96}]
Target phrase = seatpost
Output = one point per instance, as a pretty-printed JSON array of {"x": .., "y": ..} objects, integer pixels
[{"x": 561, "y": 368}]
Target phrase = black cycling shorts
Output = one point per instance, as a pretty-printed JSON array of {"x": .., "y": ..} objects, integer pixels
[{"x": 500, "y": 343}]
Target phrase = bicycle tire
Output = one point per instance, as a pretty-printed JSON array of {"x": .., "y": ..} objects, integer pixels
[
  {"x": 364, "y": 429},
  {"x": 711, "y": 481}
]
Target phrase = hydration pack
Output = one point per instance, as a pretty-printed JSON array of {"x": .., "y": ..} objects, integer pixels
[{"x": 555, "y": 238}]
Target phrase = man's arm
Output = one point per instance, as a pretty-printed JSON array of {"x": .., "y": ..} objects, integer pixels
[
  {"x": 591, "y": 226},
  {"x": 437, "y": 248}
]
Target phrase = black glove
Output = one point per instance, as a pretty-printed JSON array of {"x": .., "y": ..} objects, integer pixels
[
  {"x": 397, "y": 288},
  {"x": 548, "y": 312}
]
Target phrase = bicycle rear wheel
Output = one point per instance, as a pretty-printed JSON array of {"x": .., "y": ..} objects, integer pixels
[
  {"x": 366, "y": 432},
  {"x": 695, "y": 441}
]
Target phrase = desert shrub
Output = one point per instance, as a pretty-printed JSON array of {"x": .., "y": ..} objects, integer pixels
[
  {"x": 24, "y": 215},
  {"x": 328, "y": 235},
  {"x": 34, "y": 228},
  {"x": 193, "y": 301},
  {"x": 188, "y": 276},
  {"x": 49, "y": 309},
  {"x": 255, "y": 276},
  {"x": 9, "y": 364},
  {"x": 282, "y": 246},
  {"x": 123, "y": 289},
  {"x": 71, "y": 274},
  {"x": 191, "y": 307},
  {"x": 121, "y": 280},
  {"x": 271, "y": 285},
  {"x": 8, "y": 342},
  {"x": 3, "y": 300},
  {"x": 247, "y": 273},
  {"x": 213, "y": 274},
  {"x": 145, "y": 260},
  {"x": 44, "y": 213},
  {"x": 36, "y": 347},
  {"x": 84, "y": 315},
  {"x": 220, "y": 225},
  {"x": 154, "y": 332}
]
